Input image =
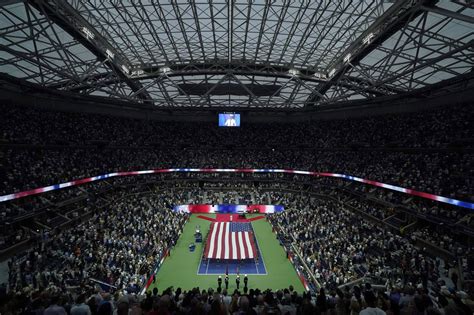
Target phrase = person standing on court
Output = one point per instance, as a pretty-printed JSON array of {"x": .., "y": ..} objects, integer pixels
[
  {"x": 237, "y": 281},
  {"x": 219, "y": 282},
  {"x": 246, "y": 281},
  {"x": 226, "y": 280}
]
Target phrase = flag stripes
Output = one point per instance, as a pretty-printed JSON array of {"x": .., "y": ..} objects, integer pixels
[{"x": 226, "y": 243}]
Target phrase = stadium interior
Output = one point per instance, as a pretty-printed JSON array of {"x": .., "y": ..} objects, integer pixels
[{"x": 237, "y": 157}]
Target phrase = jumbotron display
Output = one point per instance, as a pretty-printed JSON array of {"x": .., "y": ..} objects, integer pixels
[{"x": 229, "y": 120}]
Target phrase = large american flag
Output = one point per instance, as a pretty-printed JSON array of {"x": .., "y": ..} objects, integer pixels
[{"x": 230, "y": 240}]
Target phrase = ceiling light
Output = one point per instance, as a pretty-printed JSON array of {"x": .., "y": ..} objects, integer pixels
[
  {"x": 320, "y": 75},
  {"x": 138, "y": 72},
  {"x": 88, "y": 33},
  {"x": 110, "y": 54},
  {"x": 347, "y": 58},
  {"x": 367, "y": 39},
  {"x": 165, "y": 69},
  {"x": 293, "y": 72},
  {"x": 125, "y": 69},
  {"x": 331, "y": 73}
]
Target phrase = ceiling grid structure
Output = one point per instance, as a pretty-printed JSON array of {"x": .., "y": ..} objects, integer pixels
[{"x": 236, "y": 54}]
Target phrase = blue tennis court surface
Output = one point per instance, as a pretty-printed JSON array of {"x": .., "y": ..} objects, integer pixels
[{"x": 245, "y": 266}]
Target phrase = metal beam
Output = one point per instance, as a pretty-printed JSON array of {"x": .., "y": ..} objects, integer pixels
[
  {"x": 451, "y": 14},
  {"x": 395, "y": 18},
  {"x": 4, "y": 3},
  {"x": 256, "y": 43},
  {"x": 352, "y": 83},
  {"x": 426, "y": 63},
  {"x": 61, "y": 13}
]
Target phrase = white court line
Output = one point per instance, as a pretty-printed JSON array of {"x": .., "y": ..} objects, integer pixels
[
  {"x": 258, "y": 249},
  {"x": 207, "y": 266}
]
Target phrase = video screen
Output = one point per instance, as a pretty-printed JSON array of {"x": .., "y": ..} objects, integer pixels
[{"x": 229, "y": 120}]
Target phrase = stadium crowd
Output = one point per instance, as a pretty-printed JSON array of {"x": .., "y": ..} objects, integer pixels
[
  {"x": 447, "y": 174},
  {"x": 358, "y": 300},
  {"x": 339, "y": 247},
  {"x": 436, "y": 128},
  {"x": 341, "y": 189},
  {"x": 115, "y": 246},
  {"x": 407, "y": 150}
]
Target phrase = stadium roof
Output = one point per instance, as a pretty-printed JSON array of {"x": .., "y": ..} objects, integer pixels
[{"x": 201, "y": 54}]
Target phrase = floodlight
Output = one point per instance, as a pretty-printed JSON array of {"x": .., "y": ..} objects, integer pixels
[
  {"x": 125, "y": 69},
  {"x": 88, "y": 32},
  {"x": 331, "y": 73},
  {"x": 165, "y": 69},
  {"x": 293, "y": 72},
  {"x": 109, "y": 53},
  {"x": 367, "y": 39},
  {"x": 347, "y": 58}
]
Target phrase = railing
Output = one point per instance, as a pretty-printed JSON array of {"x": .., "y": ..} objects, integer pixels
[
  {"x": 454, "y": 202},
  {"x": 102, "y": 283},
  {"x": 362, "y": 281},
  {"x": 158, "y": 264},
  {"x": 301, "y": 259}
]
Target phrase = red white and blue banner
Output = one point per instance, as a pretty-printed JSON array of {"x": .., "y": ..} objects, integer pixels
[
  {"x": 230, "y": 240},
  {"x": 451, "y": 201},
  {"x": 226, "y": 208}
]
